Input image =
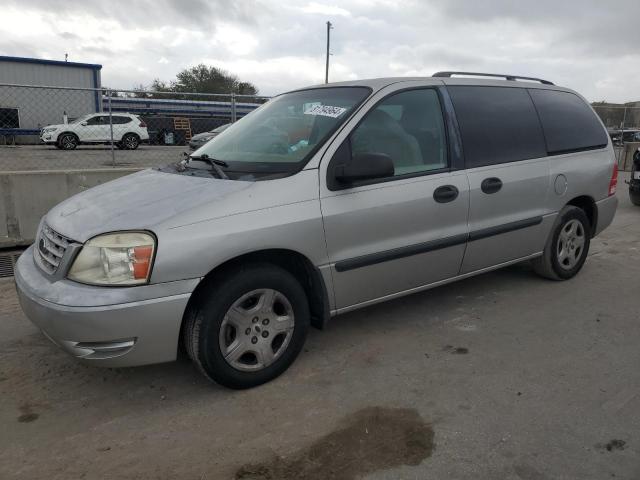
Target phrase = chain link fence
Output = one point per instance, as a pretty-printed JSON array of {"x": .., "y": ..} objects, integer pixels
[
  {"x": 62, "y": 128},
  {"x": 623, "y": 125},
  {"x": 65, "y": 128}
]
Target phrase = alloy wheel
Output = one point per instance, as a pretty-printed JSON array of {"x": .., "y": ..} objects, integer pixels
[
  {"x": 570, "y": 244},
  {"x": 256, "y": 330}
]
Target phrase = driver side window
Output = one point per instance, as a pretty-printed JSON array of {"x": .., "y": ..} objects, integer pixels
[{"x": 409, "y": 128}]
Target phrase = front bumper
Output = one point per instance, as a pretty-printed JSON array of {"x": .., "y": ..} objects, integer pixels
[
  {"x": 106, "y": 326},
  {"x": 48, "y": 138}
]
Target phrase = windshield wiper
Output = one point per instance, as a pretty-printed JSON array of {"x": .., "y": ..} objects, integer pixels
[{"x": 215, "y": 163}]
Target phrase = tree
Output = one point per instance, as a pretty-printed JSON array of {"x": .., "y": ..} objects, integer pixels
[{"x": 200, "y": 79}]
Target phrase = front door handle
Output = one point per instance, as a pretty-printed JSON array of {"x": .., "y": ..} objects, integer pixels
[
  {"x": 491, "y": 185},
  {"x": 445, "y": 194}
]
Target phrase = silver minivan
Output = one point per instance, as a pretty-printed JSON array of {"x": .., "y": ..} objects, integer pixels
[{"x": 322, "y": 201}]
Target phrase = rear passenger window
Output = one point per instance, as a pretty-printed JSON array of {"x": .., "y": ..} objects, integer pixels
[
  {"x": 497, "y": 124},
  {"x": 569, "y": 124},
  {"x": 116, "y": 120},
  {"x": 408, "y": 127}
]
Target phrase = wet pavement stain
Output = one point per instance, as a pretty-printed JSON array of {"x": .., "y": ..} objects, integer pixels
[
  {"x": 372, "y": 439},
  {"x": 28, "y": 415},
  {"x": 614, "y": 444},
  {"x": 456, "y": 350}
]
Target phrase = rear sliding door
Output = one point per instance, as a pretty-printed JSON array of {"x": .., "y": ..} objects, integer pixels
[{"x": 508, "y": 172}]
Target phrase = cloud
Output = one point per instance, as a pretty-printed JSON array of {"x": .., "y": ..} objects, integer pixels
[
  {"x": 586, "y": 45},
  {"x": 323, "y": 9}
]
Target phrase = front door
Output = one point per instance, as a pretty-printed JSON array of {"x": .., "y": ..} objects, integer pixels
[
  {"x": 391, "y": 235},
  {"x": 97, "y": 129}
]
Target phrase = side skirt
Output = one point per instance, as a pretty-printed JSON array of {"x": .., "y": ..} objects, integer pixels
[{"x": 430, "y": 285}]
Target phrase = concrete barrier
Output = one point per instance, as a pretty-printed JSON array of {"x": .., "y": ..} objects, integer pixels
[{"x": 26, "y": 196}]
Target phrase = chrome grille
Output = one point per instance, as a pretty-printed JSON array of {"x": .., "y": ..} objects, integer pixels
[{"x": 50, "y": 248}]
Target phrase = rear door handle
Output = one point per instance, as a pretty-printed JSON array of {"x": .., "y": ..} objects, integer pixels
[
  {"x": 491, "y": 185},
  {"x": 445, "y": 194}
]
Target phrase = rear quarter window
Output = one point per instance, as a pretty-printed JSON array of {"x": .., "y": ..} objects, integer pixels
[
  {"x": 497, "y": 124},
  {"x": 568, "y": 123}
]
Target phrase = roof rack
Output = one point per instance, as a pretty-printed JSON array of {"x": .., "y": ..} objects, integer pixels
[{"x": 496, "y": 75}]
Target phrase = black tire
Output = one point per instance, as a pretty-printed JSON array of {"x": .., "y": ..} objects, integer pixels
[
  {"x": 204, "y": 321},
  {"x": 549, "y": 264},
  {"x": 635, "y": 198},
  {"x": 68, "y": 141},
  {"x": 130, "y": 141}
]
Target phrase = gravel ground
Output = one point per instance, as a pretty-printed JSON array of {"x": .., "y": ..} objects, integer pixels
[
  {"x": 502, "y": 376},
  {"x": 47, "y": 157}
]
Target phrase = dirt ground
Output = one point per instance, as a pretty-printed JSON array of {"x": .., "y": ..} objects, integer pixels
[{"x": 502, "y": 376}]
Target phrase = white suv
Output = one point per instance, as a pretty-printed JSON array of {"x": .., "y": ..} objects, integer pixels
[{"x": 128, "y": 131}]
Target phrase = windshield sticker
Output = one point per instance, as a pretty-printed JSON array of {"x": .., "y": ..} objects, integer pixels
[{"x": 325, "y": 111}]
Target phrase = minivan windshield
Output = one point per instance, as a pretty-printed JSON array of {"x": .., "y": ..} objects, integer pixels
[{"x": 282, "y": 135}]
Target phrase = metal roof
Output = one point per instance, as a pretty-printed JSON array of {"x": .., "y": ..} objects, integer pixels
[{"x": 59, "y": 63}]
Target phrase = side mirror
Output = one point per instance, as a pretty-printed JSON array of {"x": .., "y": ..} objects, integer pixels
[
  {"x": 84, "y": 124},
  {"x": 365, "y": 166}
]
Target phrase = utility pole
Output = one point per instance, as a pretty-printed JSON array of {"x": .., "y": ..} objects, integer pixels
[{"x": 326, "y": 73}]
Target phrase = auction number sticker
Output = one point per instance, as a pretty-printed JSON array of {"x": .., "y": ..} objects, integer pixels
[{"x": 325, "y": 111}]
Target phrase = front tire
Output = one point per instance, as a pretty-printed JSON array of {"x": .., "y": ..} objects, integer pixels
[
  {"x": 68, "y": 141},
  {"x": 247, "y": 328},
  {"x": 635, "y": 198},
  {"x": 567, "y": 247}
]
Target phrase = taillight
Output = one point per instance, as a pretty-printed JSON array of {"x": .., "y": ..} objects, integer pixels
[
  {"x": 613, "y": 183},
  {"x": 142, "y": 124}
]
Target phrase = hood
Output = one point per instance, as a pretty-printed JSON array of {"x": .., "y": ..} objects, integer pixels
[
  {"x": 57, "y": 126},
  {"x": 138, "y": 201}
]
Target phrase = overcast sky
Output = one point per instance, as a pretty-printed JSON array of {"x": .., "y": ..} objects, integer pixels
[{"x": 591, "y": 46}]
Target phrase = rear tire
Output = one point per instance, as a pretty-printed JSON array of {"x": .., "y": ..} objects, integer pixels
[
  {"x": 635, "y": 198},
  {"x": 246, "y": 328},
  {"x": 567, "y": 246},
  {"x": 130, "y": 141}
]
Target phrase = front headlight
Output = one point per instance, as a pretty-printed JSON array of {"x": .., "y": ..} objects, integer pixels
[{"x": 122, "y": 258}]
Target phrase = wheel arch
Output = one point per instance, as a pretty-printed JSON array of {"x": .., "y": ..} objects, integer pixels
[
  {"x": 588, "y": 205},
  {"x": 294, "y": 262},
  {"x": 68, "y": 132}
]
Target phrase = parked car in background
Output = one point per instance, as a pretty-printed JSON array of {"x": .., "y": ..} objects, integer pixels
[
  {"x": 634, "y": 182},
  {"x": 624, "y": 136},
  {"x": 201, "y": 138},
  {"x": 96, "y": 128},
  {"x": 380, "y": 189}
]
